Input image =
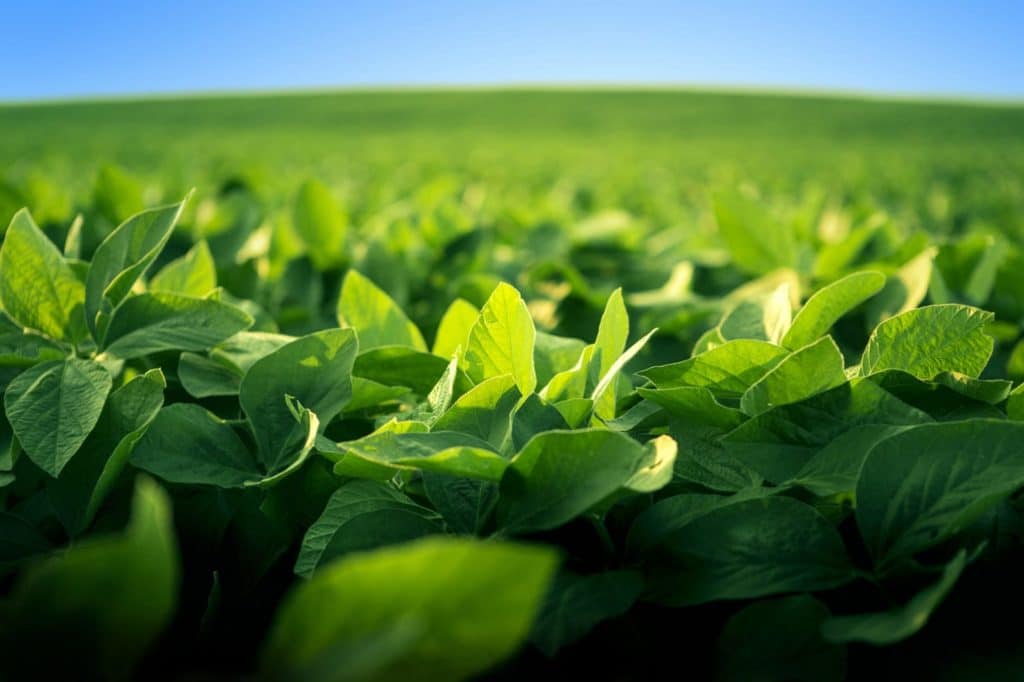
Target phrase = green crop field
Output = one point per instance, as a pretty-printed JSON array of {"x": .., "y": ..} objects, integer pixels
[{"x": 488, "y": 384}]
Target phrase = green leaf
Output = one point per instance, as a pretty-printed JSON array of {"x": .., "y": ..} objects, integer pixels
[
  {"x": 561, "y": 474},
  {"x": 122, "y": 258},
  {"x": 188, "y": 444},
  {"x": 813, "y": 369},
  {"x": 453, "y": 331},
  {"x": 1015, "y": 404},
  {"x": 905, "y": 289},
  {"x": 97, "y": 608},
  {"x": 746, "y": 550},
  {"x": 321, "y": 223},
  {"x": 501, "y": 341},
  {"x": 612, "y": 334},
  {"x": 607, "y": 381},
  {"x": 84, "y": 483},
  {"x": 152, "y": 323},
  {"x": 927, "y": 483},
  {"x": 727, "y": 370},
  {"x": 758, "y": 243},
  {"x": 696, "y": 407},
  {"x": 930, "y": 340},
  {"x": 194, "y": 274},
  {"x": 888, "y": 627},
  {"x": 835, "y": 468},
  {"x": 474, "y": 604},
  {"x": 656, "y": 524},
  {"x": 575, "y": 604},
  {"x": 54, "y": 406},
  {"x": 779, "y": 639},
  {"x": 825, "y": 307},
  {"x": 465, "y": 503},
  {"x": 317, "y": 371},
  {"x": 377, "y": 319},
  {"x": 464, "y": 461},
  {"x": 362, "y": 515},
  {"x": 403, "y": 446},
  {"x": 403, "y": 366},
  {"x": 38, "y": 289},
  {"x": 657, "y": 467},
  {"x": 485, "y": 411},
  {"x": 553, "y": 354},
  {"x": 203, "y": 377}
]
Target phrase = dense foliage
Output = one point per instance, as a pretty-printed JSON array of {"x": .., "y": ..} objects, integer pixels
[{"x": 511, "y": 383}]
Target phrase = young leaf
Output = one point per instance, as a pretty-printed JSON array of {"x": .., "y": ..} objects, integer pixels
[
  {"x": 194, "y": 274},
  {"x": 927, "y": 483},
  {"x": 54, "y": 406},
  {"x": 930, "y": 340},
  {"x": 497, "y": 587},
  {"x": 607, "y": 381},
  {"x": 377, "y": 319},
  {"x": 825, "y": 307},
  {"x": 485, "y": 411},
  {"x": 453, "y": 331},
  {"x": 728, "y": 370},
  {"x": 38, "y": 289},
  {"x": 501, "y": 340},
  {"x": 612, "y": 334},
  {"x": 122, "y": 258},
  {"x": 152, "y": 323}
]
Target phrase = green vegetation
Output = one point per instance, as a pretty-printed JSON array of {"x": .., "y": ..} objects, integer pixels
[{"x": 446, "y": 385}]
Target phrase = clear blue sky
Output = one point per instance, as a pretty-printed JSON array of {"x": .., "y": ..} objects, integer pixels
[{"x": 83, "y": 48}]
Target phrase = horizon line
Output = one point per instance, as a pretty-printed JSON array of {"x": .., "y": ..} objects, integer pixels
[{"x": 924, "y": 97}]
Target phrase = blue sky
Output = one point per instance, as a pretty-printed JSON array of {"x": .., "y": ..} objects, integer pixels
[{"x": 73, "y": 49}]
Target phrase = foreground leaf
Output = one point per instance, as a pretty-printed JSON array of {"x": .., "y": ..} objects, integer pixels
[{"x": 474, "y": 605}]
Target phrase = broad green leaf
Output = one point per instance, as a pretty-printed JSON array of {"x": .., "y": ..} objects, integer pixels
[
  {"x": 316, "y": 370},
  {"x": 368, "y": 394},
  {"x": 749, "y": 549},
  {"x": 561, "y": 474},
  {"x": 835, "y": 468},
  {"x": 38, "y": 289},
  {"x": 322, "y": 223},
  {"x": 242, "y": 350},
  {"x": 571, "y": 384},
  {"x": 462, "y": 460},
  {"x": 656, "y": 524},
  {"x": 728, "y": 370},
  {"x": 825, "y": 307},
  {"x": 97, "y": 608},
  {"x": 188, "y": 444},
  {"x": 534, "y": 416},
  {"x": 930, "y": 340},
  {"x": 362, "y": 515},
  {"x": 84, "y": 483},
  {"x": 19, "y": 350},
  {"x": 203, "y": 377},
  {"x": 779, "y": 639},
  {"x": 465, "y": 503},
  {"x": 54, "y": 406},
  {"x": 778, "y": 443},
  {"x": 400, "y": 447},
  {"x": 888, "y": 627},
  {"x": 473, "y": 604},
  {"x": 695, "y": 406},
  {"x": 501, "y": 340},
  {"x": 194, "y": 274},
  {"x": 453, "y": 331},
  {"x": 757, "y": 241},
  {"x": 403, "y": 366},
  {"x": 122, "y": 258},
  {"x": 151, "y": 323},
  {"x": 809, "y": 371},
  {"x": 925, "y": 484},
  {"x": 377, "y": 319},
  {"x": 706, "y": 464},
  {"x": 577, "y": 603}
]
